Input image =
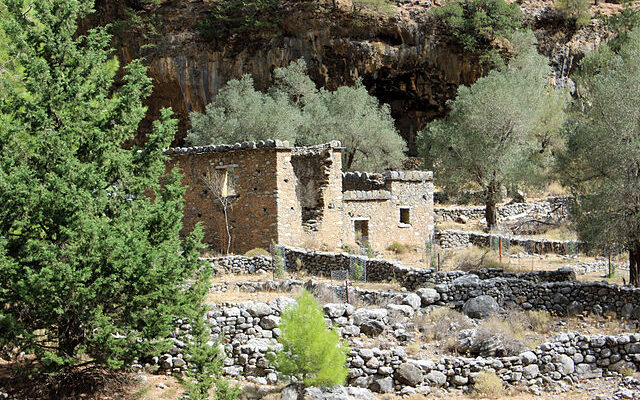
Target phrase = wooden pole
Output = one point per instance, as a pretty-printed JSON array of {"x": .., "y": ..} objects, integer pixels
[
  {"x": 500, "y": 247},
  {"x": 346, "y": 285}
]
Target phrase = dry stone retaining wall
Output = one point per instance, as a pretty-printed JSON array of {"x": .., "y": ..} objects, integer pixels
[
  {"x": 551, "y": 206},
  {"x": 249, "y": 331},
  {"x": 452, "y": 238},
  {"x": 319, "y": 263}
]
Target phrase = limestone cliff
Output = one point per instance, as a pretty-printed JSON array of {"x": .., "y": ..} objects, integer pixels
[{"x": 402, "y": 59}]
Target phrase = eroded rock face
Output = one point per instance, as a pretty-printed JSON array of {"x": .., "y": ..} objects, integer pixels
[{"x": 404, "y": 60}]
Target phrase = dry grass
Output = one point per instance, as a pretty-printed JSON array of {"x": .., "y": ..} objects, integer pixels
[
  {"x": 258, "y": 251},
  {"x": 473, "y": 258},
  {"x": 488, "y": 384},
  {"x": 472, "y": 225}
]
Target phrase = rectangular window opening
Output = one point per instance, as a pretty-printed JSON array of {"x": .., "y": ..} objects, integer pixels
[
  {"x": 361, "y": 228},
  {"x": 405, "y": 215}
]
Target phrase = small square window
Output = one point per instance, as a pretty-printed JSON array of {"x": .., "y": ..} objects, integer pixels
[{"x": 405, "y": 215}]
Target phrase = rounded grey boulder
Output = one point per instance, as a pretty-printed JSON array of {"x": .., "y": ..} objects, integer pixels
[{"x": 481, "y": 307}]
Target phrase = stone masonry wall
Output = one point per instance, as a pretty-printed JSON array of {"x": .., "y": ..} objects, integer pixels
[
  {"x": 253, "y": 212},
  {"x": 310, "y": 177},
  {"x": 294, "y": 196},
  {"x": 249, "y": 331},
  {"x": 551, "y": 205},
  {"x": 381, "y": 208},
  {"x": 452, "y": 238}
]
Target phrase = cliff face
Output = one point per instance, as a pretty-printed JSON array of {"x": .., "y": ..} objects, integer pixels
[{"x": 402, "y": 60}]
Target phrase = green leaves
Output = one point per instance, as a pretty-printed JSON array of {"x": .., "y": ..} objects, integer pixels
[
  {"x": 310, "y": 351},
  {"x": 477, "y": 23},
  {"x": 90, "y": 254},
  {"x": 295, "y": 110},
  {"x": 499, "y": 128},
  {"x": 601, "y": 160}
]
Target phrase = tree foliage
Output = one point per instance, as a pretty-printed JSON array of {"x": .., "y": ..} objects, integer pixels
[
  {"x": 578, "y": 10},
  {"x": 90, "y": 258},
  {"x": 602, "y": 159},
  {"x": 311, "y": 352},
  {"x": 499, "y": 130},
  {"x": 295, "y": 110},
  {"x": 230, "y": 17},
  {"x": 476, "y": 24}
]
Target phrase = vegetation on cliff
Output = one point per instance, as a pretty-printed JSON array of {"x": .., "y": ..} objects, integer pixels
[{"x": 479, "y": 24}]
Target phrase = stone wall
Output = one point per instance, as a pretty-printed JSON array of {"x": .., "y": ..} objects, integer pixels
[
  {"x": 556, "y": 206},
  {"x": 250, "y": 331},
  {"x": 252, "y": 170},
  {"x": 380, "y": 200},
  {"x": 452, "y": 238},
  {"x": 320, "y": 263}
]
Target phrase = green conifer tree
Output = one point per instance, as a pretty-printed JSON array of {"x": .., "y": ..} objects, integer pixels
[
  {"x": 91, "y": 262},
  {"x": 311, "y": 352}
]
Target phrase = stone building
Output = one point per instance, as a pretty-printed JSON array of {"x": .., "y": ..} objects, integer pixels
[{"x": 299, "y": 196}]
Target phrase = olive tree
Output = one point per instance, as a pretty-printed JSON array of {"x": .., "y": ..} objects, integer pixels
[
  {"x": 295, "y": 109},
  {"x": 602, "y": 159},
  {"x": 499, "y": 130}
]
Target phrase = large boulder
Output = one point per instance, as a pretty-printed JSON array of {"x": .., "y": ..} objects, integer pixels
[
  {"x": 489, "y": 343},
  {"x": 372, "y": 327},
  {"x": 412, "y": 300},
  {"x": 481, "y": 307},
  {"x": 428, "y": 296},
  {"x": 382, "y": 385},
  {"x": 466, "y": 280},
  {"x": 564, "y": 364},
  {"x": 371, "y": 322},
  {"x": 409, "y": 374}
]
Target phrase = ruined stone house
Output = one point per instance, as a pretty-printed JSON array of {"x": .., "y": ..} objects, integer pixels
[{"x": 299, "y": 196}]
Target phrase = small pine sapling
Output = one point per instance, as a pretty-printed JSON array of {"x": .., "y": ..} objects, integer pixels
[{"x": 312, "y": 353}]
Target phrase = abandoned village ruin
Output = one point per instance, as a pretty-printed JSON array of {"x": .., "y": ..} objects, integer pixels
[{"x": 299, "y": 196}]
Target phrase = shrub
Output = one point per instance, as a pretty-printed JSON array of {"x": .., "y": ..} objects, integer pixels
[
  {"x": 442, "y": 323},
  {"x": 358, "y": 271},
  {"x": 227, "y": 18},
  {"x": 397, "y": 247},
  {"x": 383, "y": 7},
  {"x": 258, "y": 251},
  {"x": 488, "y": 384},
  {"x": 477, "y": 23},
  {"x": 538, "y": 320},
  {"x": 575, "y": 9},
  {"x": 278, "y": 262},
  {"x": 474, "y": 258},
  {"x": 311, "y": 352}
]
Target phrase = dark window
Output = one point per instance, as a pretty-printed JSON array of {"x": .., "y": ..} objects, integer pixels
[
  {"x": 405, "y": 215},
  {"x": 361, "y": 228}
]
